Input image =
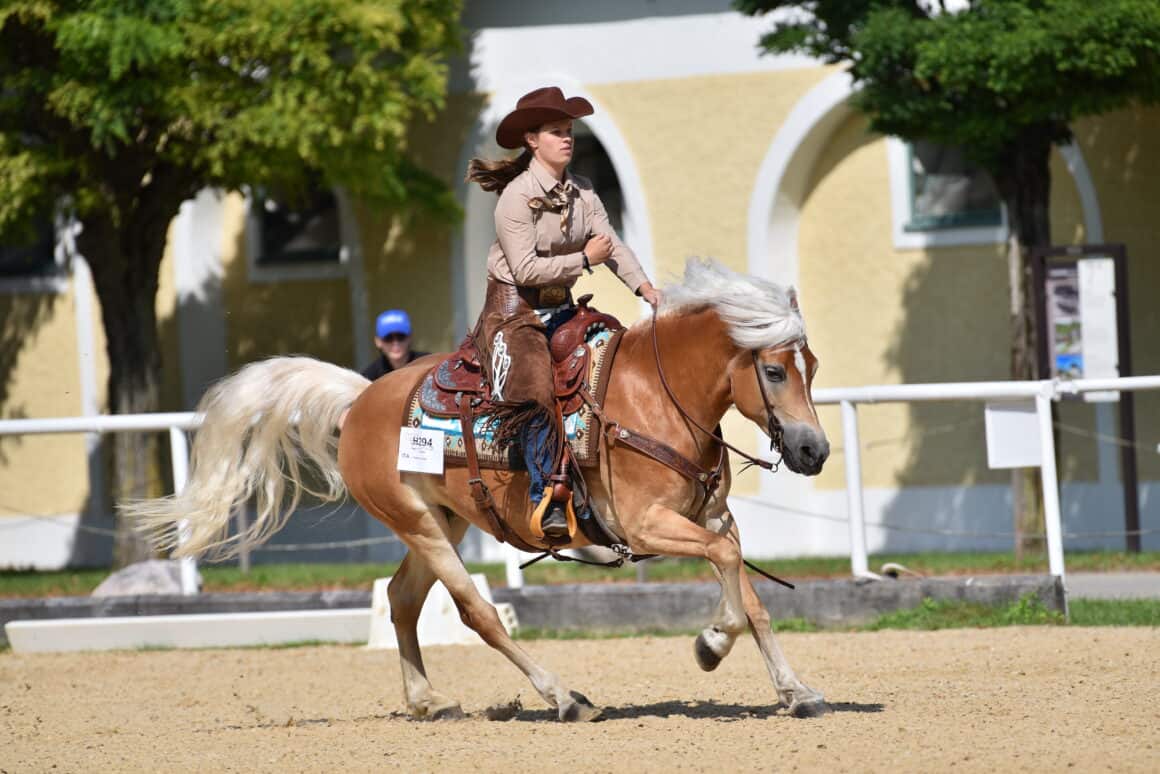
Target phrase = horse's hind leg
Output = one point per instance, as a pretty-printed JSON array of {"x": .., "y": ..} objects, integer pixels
[
  {"x": 429, "y": 543},
  {"x": 407, "y": 591}
]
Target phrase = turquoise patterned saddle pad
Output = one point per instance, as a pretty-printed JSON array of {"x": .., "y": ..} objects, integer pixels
[{"x": 579, "y": 426}]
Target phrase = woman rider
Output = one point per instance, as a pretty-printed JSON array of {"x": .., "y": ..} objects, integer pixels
[{"x": 550, "y": 227}]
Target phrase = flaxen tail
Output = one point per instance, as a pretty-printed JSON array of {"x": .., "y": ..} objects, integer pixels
[{"x": 266, "y": 428}]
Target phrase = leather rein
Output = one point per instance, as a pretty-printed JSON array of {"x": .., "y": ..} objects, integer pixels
[
  {"x": 708, "y": 480},
  {"x": 773, "y": 425}
]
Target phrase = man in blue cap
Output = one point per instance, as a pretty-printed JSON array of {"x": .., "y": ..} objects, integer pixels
[{"x": 393, "y": 340}]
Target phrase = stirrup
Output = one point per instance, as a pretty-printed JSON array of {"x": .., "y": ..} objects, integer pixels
[{"x": 554, "y": 536}]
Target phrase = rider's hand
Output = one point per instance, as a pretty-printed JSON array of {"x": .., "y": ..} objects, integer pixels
[
  {"x": 650, "y": 294},
  {"x": 598, "y": 249}
]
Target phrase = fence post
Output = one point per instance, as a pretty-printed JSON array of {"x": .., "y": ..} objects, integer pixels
[
  {"x": 1050, "y": 482},
  {"x": 179, "y": 458},
  {"x": 859, "y": 564},
  {"x": 243, "y": 523},
  {"x": 515, "y": 576}
]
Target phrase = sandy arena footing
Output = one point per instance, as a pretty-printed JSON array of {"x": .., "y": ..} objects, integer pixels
[{"x": 1013, "y": 699}]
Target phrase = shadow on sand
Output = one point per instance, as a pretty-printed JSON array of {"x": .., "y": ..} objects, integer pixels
[
  {"x": 698, "y": 710},
  {"x": 701, "y": 710}
]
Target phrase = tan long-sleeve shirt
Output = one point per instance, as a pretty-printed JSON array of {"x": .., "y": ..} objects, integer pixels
[{"x": 536, "y": 246}]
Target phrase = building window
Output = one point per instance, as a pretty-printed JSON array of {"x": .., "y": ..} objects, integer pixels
[
  {"x": 36, "y": 261},
  {"x": 948, "y": 191},
  {"x": 310, "y": 235},
  {"x": 33, "y": 256},
  {"x": 590, "y": 160},
  {"x": 298, "y": 230}
]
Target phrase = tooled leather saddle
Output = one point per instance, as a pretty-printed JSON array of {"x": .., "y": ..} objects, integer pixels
[
  {"x": 455, "y": 395},
  {"x": 582, "y": 351}
]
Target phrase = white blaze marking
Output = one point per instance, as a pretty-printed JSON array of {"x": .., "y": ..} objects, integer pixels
[{"x": 799, "y": 360}]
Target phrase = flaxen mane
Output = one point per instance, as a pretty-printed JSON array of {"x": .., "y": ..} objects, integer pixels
[{"x": 759, "y": 313}]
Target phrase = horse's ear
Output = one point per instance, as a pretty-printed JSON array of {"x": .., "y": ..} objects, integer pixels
[{"x": 793, "y": 300}]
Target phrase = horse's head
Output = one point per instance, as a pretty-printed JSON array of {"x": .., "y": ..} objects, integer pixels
[
  {"x": 771, "y": 387},
  {"x": 771, "y": 366}
]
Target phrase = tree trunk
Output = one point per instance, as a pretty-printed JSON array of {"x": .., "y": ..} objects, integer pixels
[
  {"x": 1023, "y": 177},
  {"x": 125, "y": 258}
]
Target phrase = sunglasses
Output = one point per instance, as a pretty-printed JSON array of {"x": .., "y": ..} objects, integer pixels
[{"x": 393, "y": 337}]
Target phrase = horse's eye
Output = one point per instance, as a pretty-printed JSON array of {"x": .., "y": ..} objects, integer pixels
[{"x": 775, "y": 373}]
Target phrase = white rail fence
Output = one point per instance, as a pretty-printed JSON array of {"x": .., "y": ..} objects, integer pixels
[{"x": 1042, "y": 392}]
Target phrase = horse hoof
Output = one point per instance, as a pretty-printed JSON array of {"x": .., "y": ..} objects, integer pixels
[
  {"x": 706, "y": 657},
  {"x": 810, "y": 708},
  {"x": 447, "y": 711},
  {"x": 578, "y": 709}
]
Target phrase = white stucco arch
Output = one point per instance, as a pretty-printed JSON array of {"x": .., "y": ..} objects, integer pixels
[
  {"x": 780, "y": 188},
  {"x": 773, "y": 225},
  {"x": 469, "y": 272}
]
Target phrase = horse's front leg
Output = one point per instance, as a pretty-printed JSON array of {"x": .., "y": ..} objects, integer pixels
[
  {"x": 665, "y": 531},
  {"x": 801, "y": 700}
]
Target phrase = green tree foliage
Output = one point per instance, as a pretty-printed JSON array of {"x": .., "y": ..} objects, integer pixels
[
  {"x": 117, "y": 111},
  {"x": 985, "y": 77},
  {"x": 1002, "y": 79}
]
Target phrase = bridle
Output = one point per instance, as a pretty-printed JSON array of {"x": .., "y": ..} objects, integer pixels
[
  {"x": 707, "y": 479},
  {"x": 773, "y": 424}
]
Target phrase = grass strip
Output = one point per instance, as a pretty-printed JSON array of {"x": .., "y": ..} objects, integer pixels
[
  {"x": 1115, "y": 612},
  {"x": 317, "y": 577},
  {"x": 931, "y": 615},
  {"x": 934, "y": 614}
]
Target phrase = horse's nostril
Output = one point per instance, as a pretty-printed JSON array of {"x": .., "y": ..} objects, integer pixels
[{"x": 808, "y": 453}]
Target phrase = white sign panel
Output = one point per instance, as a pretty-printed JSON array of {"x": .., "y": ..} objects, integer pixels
[
  {"x": 420, "y": 451},
  {"x": 1097, "y": 313},
  {"x": 1012, "y": 434}
]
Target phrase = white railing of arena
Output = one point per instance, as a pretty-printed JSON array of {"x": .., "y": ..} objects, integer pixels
[
  {"x": 848, "y": 398},
  {"x": 1042, "y": 392}
]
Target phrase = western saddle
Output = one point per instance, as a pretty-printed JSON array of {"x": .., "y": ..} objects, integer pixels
[{"x": 458, "y": 387}]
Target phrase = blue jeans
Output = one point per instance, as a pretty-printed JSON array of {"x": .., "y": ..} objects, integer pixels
[{"x": 539, "y": 439}]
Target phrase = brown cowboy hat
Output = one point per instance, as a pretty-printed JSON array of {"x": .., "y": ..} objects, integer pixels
[{"x": 535, "y": 109}]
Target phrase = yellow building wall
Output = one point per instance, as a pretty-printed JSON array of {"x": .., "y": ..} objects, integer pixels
[
  {"x": 286, "y": 317},
  {"x": 875, "y": 314},
  {"x": 167, "y": 334},
  {"x": 40, "y": 377},
  {"x": 879, "y": 315},
  {"x": 1122, "y": 150},
  {"x": 408, "y": 257},
  {"x": 698, "y": 167},
  {"x": 698, "y": 143}
]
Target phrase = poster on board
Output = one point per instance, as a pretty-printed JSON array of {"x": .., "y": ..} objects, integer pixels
[
  {"x": 1082, "y": 340},
  {"x": 1064, "y": 328}
]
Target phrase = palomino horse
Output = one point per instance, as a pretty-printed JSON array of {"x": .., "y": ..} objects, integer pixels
[{"x": 721, "y": 339}]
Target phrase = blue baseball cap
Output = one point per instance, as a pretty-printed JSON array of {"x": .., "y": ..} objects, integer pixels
[{"x": 392, "y": 321}]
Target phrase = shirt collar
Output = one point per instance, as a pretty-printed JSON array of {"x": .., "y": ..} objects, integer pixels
[{"x": 545, "y": 177}]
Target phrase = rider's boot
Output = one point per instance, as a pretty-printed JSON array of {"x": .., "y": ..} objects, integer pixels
[
  {"x": 552, "y": 519},
  {"x": 555, "y": 520}
]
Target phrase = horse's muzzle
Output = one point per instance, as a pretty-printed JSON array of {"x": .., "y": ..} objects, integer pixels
[{"x": 804, "y": 449}]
